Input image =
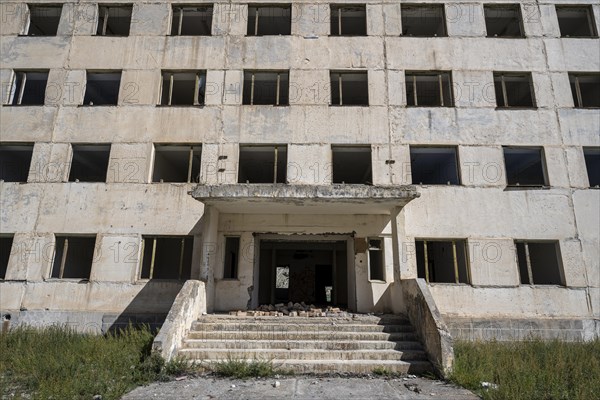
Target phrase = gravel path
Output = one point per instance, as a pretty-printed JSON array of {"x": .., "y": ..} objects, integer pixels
[{"x": 302, "y": 387}]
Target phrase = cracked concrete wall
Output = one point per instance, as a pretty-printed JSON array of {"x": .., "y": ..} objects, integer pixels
[{"x": 480, "y": 210}]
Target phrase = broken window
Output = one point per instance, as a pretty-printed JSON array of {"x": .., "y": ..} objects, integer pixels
[
  {"x": 28, "y": 88},
  {"x": 503, "y": 20},
  {"x": 585, "y": 89},
  {"x": 352, "y": 164},
  {"x": 376, "y": 265},
  {"x": 423, "y": 20},
  {"x": 166, "y": 257},
  {"x": 434, "y": 165},
  {"x": 266, "y": 88},
  {"x": 349, "y": 88},
  {"x": 513, "y": 89},
  {"x": 576, "y": 21},
  {"x": 429, "y": 89},
  {"x": 5, "y": 250},
  {"x": 269, "y": 20},
  {"x": 176, "y": 163},
  {"x": 348, "y": 20},
  {"x": 73, "y": 257},
  {"x": 89, "y": 163},
  {"x": 15, "y": 160},
  {"x": 43, "y": 20},
  {"x": 102, "y": 88},
  {"x": 262, "y": 164},
  {"x": 524, "y": 166},
  {"x": 539, "y": 263},
  {"x": 183, "y": 88},
  {"x": 191, "y": 20},
  {"x": 231, "y": 257},
  {"x": 442, "y": 261},
  {"x": 114, "y": 20},
  {"x": 592, "y": 164}
]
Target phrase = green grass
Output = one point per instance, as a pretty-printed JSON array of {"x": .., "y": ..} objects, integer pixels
[
  {"x": 243, "y": 369},
  {"x": 529, "y": 370},
  {"x": 58, "y": 363}
]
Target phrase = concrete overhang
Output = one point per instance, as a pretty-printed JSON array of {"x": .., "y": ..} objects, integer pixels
[{"x": 304, "y": 199}]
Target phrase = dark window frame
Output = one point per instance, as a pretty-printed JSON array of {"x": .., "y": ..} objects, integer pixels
[
  {"x": 76, "y": 147},
  {"x": 178, "y": 12},
  {"x": 423, "y": 7},
  {"x": 340, "y": 81},
  {"x": 456, "y": 158},
  {"x": 194, "y": 149},
  {"x": 377, "y": 273},
  {"x": 5, "y": 257},
  {"x": 574, "y": 81},
  {"x": 18, "y": 87},
  {"x": 501, "y": 7},
  {"x": 336, "y": 17},
  {"x": 21, "y": 147},
  {"x": 64, "y": 251},
  {"x": 101, "y": 72},
  {"x": 528, "y": 263},
  {"x": 413, "y": 75},
  {"x": 199, "y": 88},
  {"x": 103, "y": 17},
  {"x": 590, "y": 17},
  {"x": 368, "y": 179},
  {"x": 180, "y": 270},
  {"x": 456, "y": 271},
  {"x": 278, "y": 178},
  {"x": 504, "y": 100},
  {"x": 596, "y": 150},
  {"x": 234, "y": 268},
  {"x": 542, "y": 154},
  {"x": 281, "y": 93},
  {"x": 31, "y": 7},
  {"x": 254, "y": 30}
]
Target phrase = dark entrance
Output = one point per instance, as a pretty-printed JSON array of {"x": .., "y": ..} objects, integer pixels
[{"x": 303, "y": 271}]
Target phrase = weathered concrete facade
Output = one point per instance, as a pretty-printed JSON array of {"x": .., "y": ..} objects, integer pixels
[{"x": 128, "y": 205}]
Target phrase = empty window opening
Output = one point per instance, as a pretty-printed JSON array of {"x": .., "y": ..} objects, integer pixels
[
  {"x": 524, "y": 166},
  {"x": 423, "y": 20},
  {"x": 585, "y": 89},
  {"x": 43, "y": 20},
  {"x": 191, "y": 21},
  {"x": 592, "y": 164},
  {"x": 269, "y": 20},
  {"x": 114, "y": 20},
  {"x": 576, "y": 21},
  {"x": 539, "y": 263},
  {"x": 442, "y": 261},
  {"x": 28, "y": 88},
  {"x": 352, "y": 164},
  {"x": 183, "y": 88},
  {"x": 429, "y": 89},
  {"x": 262, "y": 164},
  {"x": 102, "y": 88},
  {"x": 349, "y": 88},
  {"x": 434, "y": 165},
  {"x": 176, "y": 163},
  {"x": 266, "y": 88},
  {"x": 503, "y": 21},
  {"x": 73, "y": 256},
  {"x": 90, "y": 162},
  {"x": 376, "y": 264},
  {"x": 5, "y": 250},
  {"x": 15, "y": 160},
  {"x": 513, "y": 90},
  {"x": 348, "y": 20},
  {"x": 166, "y": 257},
  {"x": 231, "y": 257}
]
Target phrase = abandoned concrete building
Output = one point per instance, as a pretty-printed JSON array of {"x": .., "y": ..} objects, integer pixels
[{"x": 438, "y": 160}]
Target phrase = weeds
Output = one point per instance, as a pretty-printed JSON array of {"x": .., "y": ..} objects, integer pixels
[
  {"x": 533, "y": 369},
  {"x": 56, "y": 362}
]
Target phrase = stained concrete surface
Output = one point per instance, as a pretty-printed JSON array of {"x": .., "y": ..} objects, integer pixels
[{"x": 304, "y": 387}]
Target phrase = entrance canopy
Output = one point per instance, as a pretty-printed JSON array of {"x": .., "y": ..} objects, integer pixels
[{"x": 304, "y": 199}]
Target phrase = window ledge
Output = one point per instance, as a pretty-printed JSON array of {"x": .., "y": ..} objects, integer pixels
[
  {"x": 413, "y": 106},
  {"x": 180, "y": 106},
  {"x": 377, "y": 281},
  {"x": 23, "y": 105},
  {"x": 527, "y": 187},
  {"x": 506, "y": 37},
  {"x": 96, "y": 105},
  {"x": 349, "y": 105},
  {"x": 266, "y": 105},
  {"x": 424, "y": 37},
  {"x": 587, "y": 108},
  {"x": 209, "y": 35},
  {"x": 71, "y": 280},
  {"x": 229, "y": 279},
  {"x": 516, "y": 108},
  {"x": 36, "y": 36},
  {"x": 580, "y": 37},
  {"x": 449, "y": 284}
]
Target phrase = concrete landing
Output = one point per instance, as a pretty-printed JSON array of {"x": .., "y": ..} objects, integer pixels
[{"x": 301, "y": 388}]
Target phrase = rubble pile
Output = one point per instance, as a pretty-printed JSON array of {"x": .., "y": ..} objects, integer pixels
[{"x": 292, "y": 310}]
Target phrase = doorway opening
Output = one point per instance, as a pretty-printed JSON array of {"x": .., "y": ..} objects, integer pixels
[{"x": 313, "y": 272}]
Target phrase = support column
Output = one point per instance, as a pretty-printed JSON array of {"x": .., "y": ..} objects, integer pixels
[
  {"x": 395, "y": 244},
  {"x": 210, "y": 253}
]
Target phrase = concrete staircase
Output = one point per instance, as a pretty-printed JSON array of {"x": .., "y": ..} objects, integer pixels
[{"x": 357, "y": 344}]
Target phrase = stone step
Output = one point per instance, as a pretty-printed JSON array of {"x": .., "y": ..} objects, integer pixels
[
  {"x": 345, "y": 366},
  {"x": 291, "y": 327},
  {"x": 301, "y": 344},
  {"x": 358, "y": 319},
  {"x": 302, "y": 354},
  {"x": 302, "y": 335}
]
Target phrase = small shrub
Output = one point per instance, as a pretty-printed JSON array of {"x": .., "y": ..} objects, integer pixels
[
  {"x": 246, "y": 369},
  {"x": 382, "y": 371}
]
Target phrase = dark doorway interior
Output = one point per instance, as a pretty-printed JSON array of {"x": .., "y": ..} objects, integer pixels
[{"x": 298, "y": 271}]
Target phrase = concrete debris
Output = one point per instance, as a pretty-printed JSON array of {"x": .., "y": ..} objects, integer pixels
[
  {"x": 412, "y": 387},
  {"x": 292, "y": 310},
  {"x": 489, "y": 385},
  {"x": 276, "y": 384}
]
